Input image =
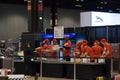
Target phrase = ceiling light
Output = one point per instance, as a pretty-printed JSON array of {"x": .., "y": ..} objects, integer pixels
[
  {"x": 78, "y": 5},
  {"x": 25, "y": 0},
  {"x": 105, "y": 2},
  {"x": 40, "y": 18},
  {"x": 101, "y": 7},
  {"x": 101, "y": 2},
  {"x": 118, "y": 9},
  {"x": 98, "y": 7},
  {"x": 77, "y": 0}
]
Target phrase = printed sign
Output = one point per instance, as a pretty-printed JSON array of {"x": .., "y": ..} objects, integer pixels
[{"x": 59, "y": 32}]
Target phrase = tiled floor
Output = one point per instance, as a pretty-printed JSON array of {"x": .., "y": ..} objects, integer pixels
[{"x": 46, "y": 78}]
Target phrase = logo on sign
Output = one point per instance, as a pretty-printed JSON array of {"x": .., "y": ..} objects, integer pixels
[{"x": 99, "y": 19}]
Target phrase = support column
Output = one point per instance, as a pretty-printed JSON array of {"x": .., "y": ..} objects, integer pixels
[
  {"x": 53, "y": 13},
  {"x": 40, "y": 16},
  {"x": 35, "y": 16},
  {"x": 29, "y": 6}
]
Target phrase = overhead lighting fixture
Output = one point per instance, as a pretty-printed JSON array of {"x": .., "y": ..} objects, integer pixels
[
  {"x": 25, "y": 0},
  {"x": 105, "y": 2},
  {"x": 101, "y": 2},
  {"x": 40, "y": 18},
  {"x": 118, "y": 9},
  {"x": 98, "y": 7},
  {"x": 78, "y": 5},
  {"x": 101, "y": 7},
  {"x": 77, "y": 0}
]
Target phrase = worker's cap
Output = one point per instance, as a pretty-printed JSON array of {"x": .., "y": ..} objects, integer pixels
[
  {"x": 46, "y": 40},
  {"x": 96, "y": 42},
  {"x": 66, "y": 37},
  {"x": 85, "y": 42},
  {"x": 103, "y": 40},
  {"x": 54, "y": 40},
  {"x": 42, "y": 43},
  {"x": 77, "y": 44}
]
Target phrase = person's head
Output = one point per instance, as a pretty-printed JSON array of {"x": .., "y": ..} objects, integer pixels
[
  {"x": 77, "y": 45},
  {"x": 85, "y": 42},
  {"x": 96, "y": 42},
  {"x": 66, "y": 38},
  {"x": 42, "y": 44},
  {"x": 46, "y": 41},
  {"x": 103, "y": 41},
  {"x": 55, "y": 41}
]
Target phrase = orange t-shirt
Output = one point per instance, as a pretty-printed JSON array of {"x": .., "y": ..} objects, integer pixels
[
  {"x": 39, "y": 50},
  {"x": 97, "y": 51},
  {"x": 51, "y": 47},
  {"x": 45, "y": 46},
  {"x": 67, "y": 52},
  {"x": 88, "y": 50},
  {"x": 108, "y": 47},
  {"x": 77, "y": 52}
]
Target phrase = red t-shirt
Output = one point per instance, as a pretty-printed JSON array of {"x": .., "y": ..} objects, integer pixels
[
  {"x": 97, "y": 51},
  {"x": 107, "y": 47},
  {"x": 67, "y": 52}
]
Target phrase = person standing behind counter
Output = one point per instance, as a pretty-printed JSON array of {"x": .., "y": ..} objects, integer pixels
[
  {"x": 77, "y": 49},
  {"x": 86, "y": 50},
  {"x": 67, "y": 49},
  {"x": 43, "y": 46},
  {"x": 97, "y": 49},
  {"x": 39, "y": 49},
  {"x": 107, "y": 50},
  {"x": 45, "y": 43},
  {"x": 55, "y": 47},
  {"x": 107, "y": 54}
]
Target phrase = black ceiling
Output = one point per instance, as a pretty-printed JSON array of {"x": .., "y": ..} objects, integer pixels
[{"x": 83, "y": 5}]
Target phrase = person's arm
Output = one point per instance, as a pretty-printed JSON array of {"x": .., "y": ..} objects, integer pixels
[
  {"x": 68, "y": 46},
  {"x": 83, "y": 54},
  {"x": 105, "y": 53}
]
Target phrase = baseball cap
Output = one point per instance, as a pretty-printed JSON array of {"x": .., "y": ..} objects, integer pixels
[{"x": 103, "y": 40}]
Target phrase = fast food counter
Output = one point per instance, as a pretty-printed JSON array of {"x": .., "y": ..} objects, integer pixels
[
  {"x": 66, "y": 69},
  {"x": 60, "y": 69}
]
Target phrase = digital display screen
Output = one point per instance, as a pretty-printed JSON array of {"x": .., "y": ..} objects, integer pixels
[
  {"x": 50, "y": 36},
  {"x": 80, "y": 37}
]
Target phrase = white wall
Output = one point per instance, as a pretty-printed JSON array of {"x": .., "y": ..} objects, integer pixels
[
  {"x": 13, "y": 21},
  {"x": 68, "y": 17}
]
